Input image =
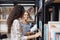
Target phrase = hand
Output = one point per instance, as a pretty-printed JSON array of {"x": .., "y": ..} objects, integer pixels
[
  {"x": 37, "y": 35},
  {"x": 29, "y": 33}
]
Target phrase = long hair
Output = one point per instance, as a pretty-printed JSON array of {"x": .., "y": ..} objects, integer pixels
[
  {"x": 29, "y": 15},
  {"x": 16, "y": 13}
]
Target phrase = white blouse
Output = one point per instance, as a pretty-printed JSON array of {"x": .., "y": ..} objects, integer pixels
[{"x": 16, "y": 34}]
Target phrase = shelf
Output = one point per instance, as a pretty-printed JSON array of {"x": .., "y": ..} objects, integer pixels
[
  {"x": 57, "y": 1},
  {"x": 3, "y": 20},
  {"x": 54, "y": 1},
  {"x": 3, "y": 33}
]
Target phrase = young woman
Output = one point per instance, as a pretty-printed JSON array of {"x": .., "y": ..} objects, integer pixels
[
  {"x": 15, "y": 26},
  {"x": 26, "y": 25}
]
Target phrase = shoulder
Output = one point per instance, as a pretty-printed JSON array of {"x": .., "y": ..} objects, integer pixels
[
  {"x": 16, "y": 21},
  {"x": 16, "y": 24}
]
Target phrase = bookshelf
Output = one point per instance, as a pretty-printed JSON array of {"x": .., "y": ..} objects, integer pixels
[{"x": 4, "y": 13}]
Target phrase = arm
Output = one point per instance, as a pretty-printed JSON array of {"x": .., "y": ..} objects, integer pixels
[
  {"x": 16, "y": 29},
  {"x": 34, "y": 28},
  {"x": 17, "y": 32},
  {"x": 29, "y": 33},
  {"x": 33, "y": 36}
]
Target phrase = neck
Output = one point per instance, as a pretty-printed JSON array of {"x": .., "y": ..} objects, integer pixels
[{"x": 25, "y": 21}]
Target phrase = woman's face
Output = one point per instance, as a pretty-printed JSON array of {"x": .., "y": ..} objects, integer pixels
[{"x": 25, "y": 16}]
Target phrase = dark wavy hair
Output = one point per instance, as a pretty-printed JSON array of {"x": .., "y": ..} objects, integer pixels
[{"x": 16, "y": 13}]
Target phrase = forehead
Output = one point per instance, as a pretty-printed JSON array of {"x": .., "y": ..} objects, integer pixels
[{"x": 25, "y": 13}]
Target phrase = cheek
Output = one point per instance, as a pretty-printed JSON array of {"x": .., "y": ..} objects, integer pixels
[{"x": 25, "y": 16}]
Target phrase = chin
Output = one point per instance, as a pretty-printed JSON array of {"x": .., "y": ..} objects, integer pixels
[{"x": 26, "y": 19}]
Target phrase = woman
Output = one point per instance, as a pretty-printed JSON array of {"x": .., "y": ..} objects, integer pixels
[
  {"x": 25, "y": 23},
  {"x": 15, "y": 26}
]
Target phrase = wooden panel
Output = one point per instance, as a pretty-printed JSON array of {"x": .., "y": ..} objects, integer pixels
[{"x": 57, "y": 1}]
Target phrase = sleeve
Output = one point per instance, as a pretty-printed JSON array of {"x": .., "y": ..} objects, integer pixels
[
  {"x": 17, "y": 32},
  {"x": 34, "y": 28},
  {"x": 24, "y": 38},
  {"x": 16, "y": 29}
]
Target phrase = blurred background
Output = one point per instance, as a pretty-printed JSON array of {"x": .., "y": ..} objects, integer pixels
[{"x": 50, "y": 12}]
